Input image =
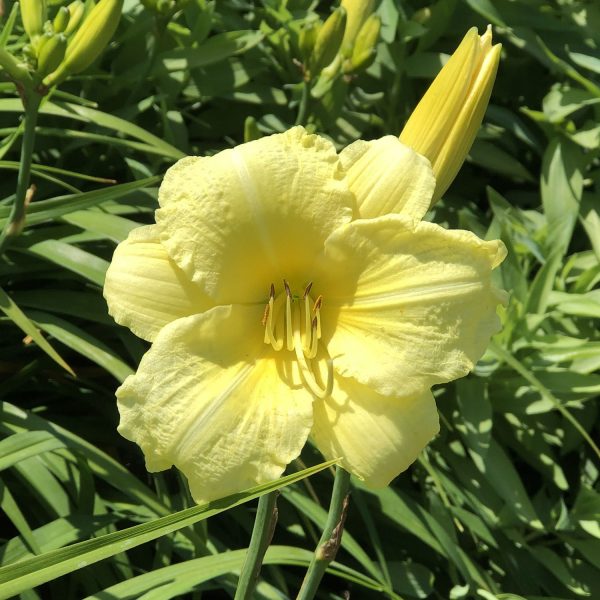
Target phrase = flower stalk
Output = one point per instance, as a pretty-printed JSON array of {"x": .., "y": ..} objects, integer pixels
[
  {"x": 331, "y": 538},
  {"x": 262, "y": 533},
  {"x": 16, "y": 219}
]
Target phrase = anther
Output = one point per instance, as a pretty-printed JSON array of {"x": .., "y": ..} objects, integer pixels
[
  {"x": 266, "y": 315},
  {"x": 272, "y": 292},
  {"x": 286, "y": 285},
  {"x": 307, "y": 290},
  {"x": 318, "y": 303}
]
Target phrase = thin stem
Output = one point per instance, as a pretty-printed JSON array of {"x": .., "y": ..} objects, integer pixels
[
  {"x": 262, "y": 533},
  {"x": 330, "y": 539},
  {"x": 528, "y": 375},
  {"x": 16, "y": 219},
  {"x": 303, "y": 106}
]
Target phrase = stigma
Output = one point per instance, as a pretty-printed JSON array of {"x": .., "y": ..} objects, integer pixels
[{"x": 293, "y": 322}]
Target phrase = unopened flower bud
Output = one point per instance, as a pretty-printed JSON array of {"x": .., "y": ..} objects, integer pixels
[
  {"x": 328, "y": 40},
  {"x": 76, "y": 11},
  {"x": 61, "y": 20},
  {"x": 33, "y": 15},
  {"x": 15, "y": 71},
  {"x": 307, "y": 40},
  {"x": 444, "y": 124},
  {"x": 251, "y": 130},
  {"x": 363, "y": 52},
  {"x": 358, "y": 12},
  {"x": 51, "y": 54},
  {"x": 89, "y": 41}
]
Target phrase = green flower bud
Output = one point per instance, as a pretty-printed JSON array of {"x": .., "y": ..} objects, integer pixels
[
  {"x": 89, "y": 41},
  {"x": 15, "y": 71},
  {"x": 307, "y": 39},
  {"x": 363, "y": 52},
  {"x": 329, "y": 40},
  {"x": 33, "y": 15},
  {"x": 76, "y": 10},
  {"x": 358, "y": 12},
  {"x": 251, "y": 130},
  {"x": 61, "y": 20},
  {"x": 51, "y": 54}
]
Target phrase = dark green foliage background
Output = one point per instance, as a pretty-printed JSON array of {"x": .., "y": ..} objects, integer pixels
[{"x": 504, "y": 504}]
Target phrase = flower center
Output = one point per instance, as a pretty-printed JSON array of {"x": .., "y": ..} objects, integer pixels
[{"x": 293, "y": 322}]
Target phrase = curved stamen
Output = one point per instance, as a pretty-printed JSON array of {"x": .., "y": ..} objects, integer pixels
[{"x": 287, "y": 330}]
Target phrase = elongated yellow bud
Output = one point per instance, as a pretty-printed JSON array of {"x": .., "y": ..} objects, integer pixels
[
  {"x": 358, "y": 12},
  {"x": 329, "y": 40},
  {"x": 61, "y": 20},
  {"x": 363, "y": 52},
  {"x": 76, "y": 10},
  {"x": 89, "y": 41},
  {"x": 33, "y": 15},
  {"x": 445, "y": 122},
  {"x": 51, "y": 53},
  {"x": 15, "y": 71}
]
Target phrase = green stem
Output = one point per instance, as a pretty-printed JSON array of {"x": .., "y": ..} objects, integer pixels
[
  {"x": 332, "y": 536},
  {"x": 303, "y": 106},
  {"x": 262, "y": 533},
  {"x": 16, "y": 219}
]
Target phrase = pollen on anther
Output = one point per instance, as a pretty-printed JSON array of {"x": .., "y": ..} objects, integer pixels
[
  {"x": 266, "y": 315},
  {"x": 307, "y": 290},
  {"x": 318, "y": 303}
]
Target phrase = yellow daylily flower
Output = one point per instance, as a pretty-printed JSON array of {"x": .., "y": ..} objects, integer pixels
[
  {"x": 444, "y": 124},
  {"x": 289, "y": 292}
]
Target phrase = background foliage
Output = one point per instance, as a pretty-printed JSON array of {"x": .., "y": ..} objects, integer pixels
[{"x": 504, "y": 504}]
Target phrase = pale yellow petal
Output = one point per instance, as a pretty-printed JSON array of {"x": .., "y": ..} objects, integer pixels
[
  {"x": 209, "y": 399},
  {"x": 255, "y": 214},
  {"x": 145, "y": 290},
  {"x": 406, "y": 304},
  {"x": 376, "y": 436},
  {"x": 388, "y": 177}
]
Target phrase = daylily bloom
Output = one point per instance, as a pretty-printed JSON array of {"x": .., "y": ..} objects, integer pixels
[
  {"x": 444, "y": 124},
  {"x": 289, "y": 292}
]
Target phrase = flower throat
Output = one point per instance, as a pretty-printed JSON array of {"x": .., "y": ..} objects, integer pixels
[{"x": 293, "y": 323}]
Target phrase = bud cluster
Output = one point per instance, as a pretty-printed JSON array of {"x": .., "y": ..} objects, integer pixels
[
  {"x": 345, "y": 41},
  {"x": 61, "y": 46}
]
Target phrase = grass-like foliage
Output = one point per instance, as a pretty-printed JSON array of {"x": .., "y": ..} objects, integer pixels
[{"x": 503, "y": 505}]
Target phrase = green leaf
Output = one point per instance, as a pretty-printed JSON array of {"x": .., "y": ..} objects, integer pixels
[
  {"x": 46, "y": 567},
  {"x": 18, "y": 317},
  {"x": 215, "y": 49}
]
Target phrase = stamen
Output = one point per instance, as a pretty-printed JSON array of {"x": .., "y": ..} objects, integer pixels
[
  {"x": 306, "y": 371},
  {"x": 312, "y": 352},
  {"x": 318, "y": 303},
  {"x": 286, "y": 326},
  {"x": 266, "y": 314},
  {"x": 286, "y": 285},
  {"x": 288, "y": 321},
  {"x": 307, "y": 328}
]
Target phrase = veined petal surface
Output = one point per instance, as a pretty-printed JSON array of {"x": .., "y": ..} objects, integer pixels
[
  {"x": 145, "y": 289},
  {"x": 377, "y": 437},
  {"x": 408, "y": 304},
  {"x": 257, "y": 213},
  {"x": 209, "y": 399},
  {"x": 388, "y": 177}
]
